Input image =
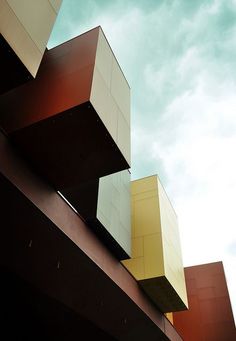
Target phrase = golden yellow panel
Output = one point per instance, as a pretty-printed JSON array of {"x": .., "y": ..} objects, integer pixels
[
  {"x": 137, "y": 247},
  {"x": 169, "y": 316},
  {"x": 153, "y": 256},
  {"x": 144, "y": 185},
  {"x": 155, "y": 241},
  {"x": 136, "y": 267},
  {"x": 174, "y": 271}
]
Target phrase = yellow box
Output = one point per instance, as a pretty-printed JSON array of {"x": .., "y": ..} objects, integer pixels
[{"x": 156, "y": 261}]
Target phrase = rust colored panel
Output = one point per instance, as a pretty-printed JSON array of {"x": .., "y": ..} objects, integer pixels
[
  {"x": 210, "y": 314},
  {"x": 63, "y": 81},
  {"x": 53, "y": 123}
]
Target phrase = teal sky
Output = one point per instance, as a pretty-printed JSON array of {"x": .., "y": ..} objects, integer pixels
[{"x": 179, "y": 58}]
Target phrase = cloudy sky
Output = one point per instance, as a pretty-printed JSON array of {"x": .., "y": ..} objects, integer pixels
[{"x": 179, "y": 58}]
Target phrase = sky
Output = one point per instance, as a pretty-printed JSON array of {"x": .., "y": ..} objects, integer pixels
[{"x": 179, "y": 58}]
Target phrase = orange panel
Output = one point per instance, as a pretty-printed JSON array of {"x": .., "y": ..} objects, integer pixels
[
  {"x": 64, "y": 81},
  {"x": 210, "y": 315},
  {"x": 52, "y": 121}
]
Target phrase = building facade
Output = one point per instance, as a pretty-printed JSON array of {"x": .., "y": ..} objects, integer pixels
[{"x": 85, "y": 253}]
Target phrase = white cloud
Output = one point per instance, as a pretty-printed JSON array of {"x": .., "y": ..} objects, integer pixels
[{"x": 198, "y": 155}]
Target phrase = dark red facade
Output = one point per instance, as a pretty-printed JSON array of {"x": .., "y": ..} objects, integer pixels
[
  {"x": 209, "y": 317},
  {"x": 53, "y": 123}
]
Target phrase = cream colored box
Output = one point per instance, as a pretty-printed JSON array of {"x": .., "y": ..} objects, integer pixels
[{"x": 26, "y": 25}]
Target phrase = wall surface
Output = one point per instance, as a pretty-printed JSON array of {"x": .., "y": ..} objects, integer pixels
[
  {"x": 60, "y": 105},
  {"x": 172, "y": 252},
  {"x": 209, "y": 317},
  {"x": 110, "y": 95},
  {"x": 21, "y": 26},
  {"x": 49, "y": 256},
  {"x": 156, "y": 260},
  {"x": 113, "y": 207}
]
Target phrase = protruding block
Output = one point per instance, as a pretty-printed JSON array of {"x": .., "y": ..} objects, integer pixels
[
  {"x": 156, "y": 261},
  {"x": 26, "y": 26},
  {"x": 210, "y": 315},
  {"x": 105, "y": 206},
  {"x": 72, "y": 121},
  {"x": 113, "y": 208}
]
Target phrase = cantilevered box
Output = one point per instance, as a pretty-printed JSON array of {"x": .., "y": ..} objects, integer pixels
[
  {"x": 105, "y": 206},
  {"x": 73, "y": 121},
  {"x": 156, "y": 261},
  {"x": 26, "y": 26}
]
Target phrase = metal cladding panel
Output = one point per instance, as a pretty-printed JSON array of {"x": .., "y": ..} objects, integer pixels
[
  {"x": 154, "y": 245},
  {"x": 21, "y": 26},
  {"x": 147, "y": 254},
  {"x": 210, "y": 314},
  {"x": 63, "y": 82},
  {"x": 56, "y": 4},
  {"x": 110, "y": 95},
  {"x": 105, "y": 206},
  {"x": 173, "y": 263},
  {"x": 113, "y": 207},
  {"x": 53, "y": 123}
]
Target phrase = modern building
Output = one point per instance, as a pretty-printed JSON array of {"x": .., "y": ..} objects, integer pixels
[
  {"x": 84, "y": 252},
  {"x": 210, "y": 314}
]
